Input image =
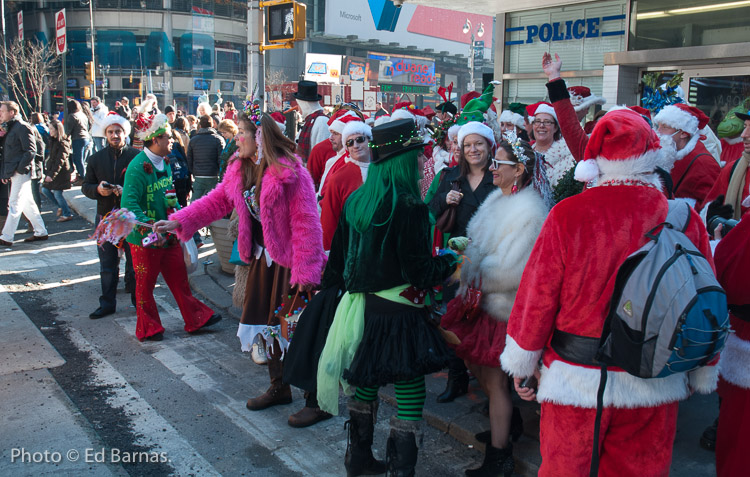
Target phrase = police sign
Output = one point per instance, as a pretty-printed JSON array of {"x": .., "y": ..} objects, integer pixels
[{"x": 569, "y": 30}]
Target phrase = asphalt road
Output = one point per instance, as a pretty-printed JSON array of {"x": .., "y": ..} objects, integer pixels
[{"x": 84, "y": 397}]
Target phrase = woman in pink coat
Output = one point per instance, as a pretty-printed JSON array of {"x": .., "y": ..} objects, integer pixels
[{"x": 280, "y": 236}]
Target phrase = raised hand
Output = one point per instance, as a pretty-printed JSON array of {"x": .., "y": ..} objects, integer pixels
[{"x": 551, "y": 67}]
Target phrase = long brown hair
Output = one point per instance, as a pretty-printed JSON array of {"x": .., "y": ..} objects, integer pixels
[
  {"x": 274, "y": 146},
  {"x": 463, "y": 164}
]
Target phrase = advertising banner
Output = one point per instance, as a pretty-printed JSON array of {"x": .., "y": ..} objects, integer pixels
[
  {"x": 323, "y": 68},
  {"x": 405, "y": 70}
]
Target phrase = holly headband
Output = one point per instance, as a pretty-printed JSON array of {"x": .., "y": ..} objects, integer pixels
[{"x": 515, "y": 144}]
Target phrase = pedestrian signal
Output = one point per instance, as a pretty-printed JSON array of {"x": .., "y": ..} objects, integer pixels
[{"x": 286, "y": 21}]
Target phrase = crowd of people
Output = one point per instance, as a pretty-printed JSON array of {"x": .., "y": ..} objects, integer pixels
[{"x": 377, "y": 250}]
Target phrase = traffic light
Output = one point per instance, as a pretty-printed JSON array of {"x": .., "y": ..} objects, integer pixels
[
  {"x": 89, "y": 67},
  {"x": 86, "y": 92},
  {"x": 287, "y": 21}
]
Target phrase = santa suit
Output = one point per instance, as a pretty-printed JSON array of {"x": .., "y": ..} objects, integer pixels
[
  {"x": 731, "y": 149},
  {"x": 338, "y": 187},
  {"x": 566, "y": 287},
  {"x": 722, "y": 184},
  {"x": 694, "y": 181},
  {"x": 733, "y": 272},
  {"x": 570, "y": 128},
  {"x": 332, "y": 165},
  {"x": 316, "y": 161}
]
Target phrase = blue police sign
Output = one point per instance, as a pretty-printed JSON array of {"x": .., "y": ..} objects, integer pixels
[{"x": 569, "y": 30}]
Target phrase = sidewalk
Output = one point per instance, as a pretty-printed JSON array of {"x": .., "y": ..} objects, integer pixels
[{"x": 462, "y": 418}]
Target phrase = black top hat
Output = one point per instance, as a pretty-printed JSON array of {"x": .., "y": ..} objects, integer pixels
[
  {"x": 307, "y": 91},
  {"x": 447, "y": 107},
  {"x": 394, "y": 138}
]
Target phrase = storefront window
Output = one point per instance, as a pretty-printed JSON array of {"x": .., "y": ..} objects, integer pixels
[
  {"x": 678, "y": 23},
  {"x": 717, "y": 95}
]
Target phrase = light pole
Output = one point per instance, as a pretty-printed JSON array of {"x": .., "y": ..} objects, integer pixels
[
  {"x": 105, "y": 82},
  {"x": 93, "y": 46},
  {"x": 479, "y": 34}
]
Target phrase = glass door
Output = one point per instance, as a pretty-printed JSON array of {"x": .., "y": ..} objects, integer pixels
[{"x": 716, "y": 91}]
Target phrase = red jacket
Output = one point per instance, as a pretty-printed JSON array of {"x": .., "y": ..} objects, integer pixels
[
  {"x": 696, "y": 180},
  {"x": 338, "y": 187},
  {"x": 567, "y": 285},
  {"x": 570, "y": 128},
  {"x": 316, "y": 162}
]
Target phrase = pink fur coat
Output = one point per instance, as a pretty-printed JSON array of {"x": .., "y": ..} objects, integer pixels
[{"x": 288, "y": 215}]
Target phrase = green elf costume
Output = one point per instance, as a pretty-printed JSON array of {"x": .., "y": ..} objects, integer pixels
[{"x": 148, "y": 180}]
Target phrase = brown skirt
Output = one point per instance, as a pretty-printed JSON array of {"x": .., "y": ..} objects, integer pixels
[{"x": 265, "y": 291}]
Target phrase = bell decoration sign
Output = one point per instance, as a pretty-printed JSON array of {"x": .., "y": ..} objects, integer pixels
[{"x": 61, "y": 39}]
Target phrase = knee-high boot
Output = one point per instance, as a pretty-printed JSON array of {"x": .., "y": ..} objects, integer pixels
[
  {"x": 401, "y": 457},
  {"x": 359, "y": 459},
  {"x": 278, "y": 393}
]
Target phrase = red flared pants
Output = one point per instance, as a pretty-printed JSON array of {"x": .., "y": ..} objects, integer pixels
[
  {"x": 632, "y": 441},
  {"x": 733, "y": 435},
  {"x": 148, "y": 263}
]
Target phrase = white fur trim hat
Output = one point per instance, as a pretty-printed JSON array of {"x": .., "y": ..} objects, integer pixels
[
  {"x": 546, "y": 108},
  {"x": 453, "y": 131},
  {"x": 622, "y": 146},
  {"x": 681, "y": 116},
  {"x": 338, "y": 123},
  {"x": 114, "y": 118},
  {"x": 356, "y": 128},
  {"x": 474, "y": 127},
  {"x": 382, "y": 120},
  {"x": 402, "y": 114},
  {"x": 582, "y": 98},
  {"x": 509, "y": 116}
]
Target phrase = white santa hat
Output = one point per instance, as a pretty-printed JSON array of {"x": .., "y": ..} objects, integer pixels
[
  {"x": 453, "y": 131},
  {"x": 543, "y": 107},
  {"x": 582, "y": 98},
  {"x": 402, "y": 114},
  {"x": 681, "y": 116},
  {"x": 622, "y": 146},
  {"x": 475, "y": 127},
  {"x": 114, "y": 118},
  {"x": 354, "y": 126},
  {"x": 382, "y": 120},
  {"x": 337, "y": 123},
  {"x": 509, "y": 116}
]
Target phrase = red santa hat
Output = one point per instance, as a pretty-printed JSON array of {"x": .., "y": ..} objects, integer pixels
[
  {"x": 280, "y": 120},
  {"x": 403, "y": 114},
  {"x": 540, "y": 107},
  {"x": 402, "y": 105},
  {"x": 581, "y": 98},
  {"x": 641, "y": 110},
  {"x": 429, "y": 112},
  {"x": 622, "y": 146},
  {"x": 114, "y": 118},
  {"x": 516, "y": 119},
  {"x": 337, "y": 123},
  {"x": 683, "y": 117},
  {"x": 475, "y": 127},
  {"x": 354, "y": 126}
]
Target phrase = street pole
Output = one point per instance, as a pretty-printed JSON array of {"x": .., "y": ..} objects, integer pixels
[
  {"x": 254, "y": 41},
  {"x": 93, "y": 49},
  {"x": 5, "y": 41},
  {"x": 65, "y": 86},
  {"x": 471, "y": 62}
]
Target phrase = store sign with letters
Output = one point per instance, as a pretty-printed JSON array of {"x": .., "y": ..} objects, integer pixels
[{"x": 568, "y": 30}]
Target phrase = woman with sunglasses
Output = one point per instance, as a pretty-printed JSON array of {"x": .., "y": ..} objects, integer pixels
[
  {"x": 339, "y": 184},
  {"x": 279, "y": 235},
  {"x": 502, "y": 233}
]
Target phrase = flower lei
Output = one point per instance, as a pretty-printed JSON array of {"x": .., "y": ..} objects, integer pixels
[{"x": 557, "y": 161}]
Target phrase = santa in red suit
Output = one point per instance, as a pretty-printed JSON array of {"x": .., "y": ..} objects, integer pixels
[
  {"x": 695, "y": 170},
  {"x": 343, "y": 116},
  {"x": 566, "y": 289},
  {"x": 346, "y": 176},
  {"x": 733, "y": 272},
  {"x": 327, "y": 148}
]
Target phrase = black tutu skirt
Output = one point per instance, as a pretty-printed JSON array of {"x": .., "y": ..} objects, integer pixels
[
  {"x": 301, "y": 359},
  {"x": 398, "y": 344}
]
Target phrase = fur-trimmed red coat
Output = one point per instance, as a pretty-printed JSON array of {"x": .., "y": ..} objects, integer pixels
[
  {"x": 288, "y": 215},
  {"x": 567, "y": 285}
]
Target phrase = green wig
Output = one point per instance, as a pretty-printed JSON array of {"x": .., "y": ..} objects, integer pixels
[{"x": 385, "y": 181}]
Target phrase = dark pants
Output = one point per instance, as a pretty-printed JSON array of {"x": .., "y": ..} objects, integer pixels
[{"x": 109, "y": 270}]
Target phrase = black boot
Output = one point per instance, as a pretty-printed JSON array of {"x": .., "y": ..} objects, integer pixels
[
  {"x": 708, "y": 439},
  {"x": 497, "y": 462},
  {"x": 458, "y": 381},
  {"x": 401, "y": 457},
  {"x": 516, "y": 429},
  {"x": 359, "y": 459}
]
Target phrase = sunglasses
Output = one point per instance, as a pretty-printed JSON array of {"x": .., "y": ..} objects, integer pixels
[
  {"x": 358, "y": 140},
  {"x": 496, "y": 164}
]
